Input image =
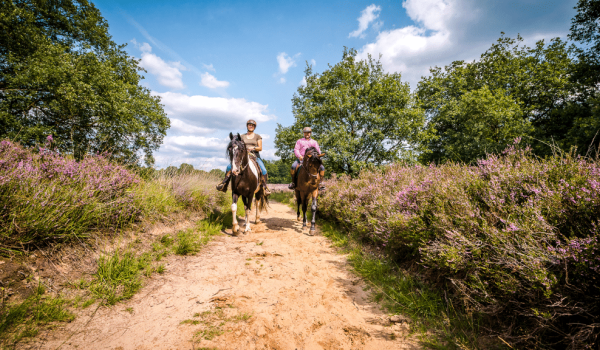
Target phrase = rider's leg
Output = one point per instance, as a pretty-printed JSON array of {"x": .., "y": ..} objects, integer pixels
[
  {"x": 293, "y": 172},
  {"x": 223, "y": 185},
  {"x": 264, "y": 176}
]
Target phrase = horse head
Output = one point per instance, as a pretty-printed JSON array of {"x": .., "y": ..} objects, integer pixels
[
  {"x": 312, "y": 160},
  {"x": 238, "y": 154}
]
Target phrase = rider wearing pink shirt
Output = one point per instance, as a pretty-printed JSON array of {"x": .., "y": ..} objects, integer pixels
[{"x": 301, "y": 146}]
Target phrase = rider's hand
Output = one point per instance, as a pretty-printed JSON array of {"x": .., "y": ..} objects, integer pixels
[{"x": 301, "y": 158}]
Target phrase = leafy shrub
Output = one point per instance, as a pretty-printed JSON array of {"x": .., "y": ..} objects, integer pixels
[
  {"x": 515, "y": 237},
  {"x": 45, "y": 196}
]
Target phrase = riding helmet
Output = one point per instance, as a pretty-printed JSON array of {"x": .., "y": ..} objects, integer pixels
[
  {"x": 251, "y": 121},
  {"x": 307, "y": 129}
]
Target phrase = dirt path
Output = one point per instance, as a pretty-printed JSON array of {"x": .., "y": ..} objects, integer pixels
[{"x": 274, "y": 288}]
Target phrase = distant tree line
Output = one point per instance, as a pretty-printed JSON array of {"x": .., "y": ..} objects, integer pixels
[{"x": 546, "y": 94}]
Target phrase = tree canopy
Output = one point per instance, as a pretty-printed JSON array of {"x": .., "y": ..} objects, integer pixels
[
  {"x": 511, "y": 91},
  {"x": 359, "y": 114},
  {"x": 61, "y": 74}
]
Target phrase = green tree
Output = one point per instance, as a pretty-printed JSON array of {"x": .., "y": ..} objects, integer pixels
[
  {"x": 511, "y": 91},
  {"x": 359, "y": 114},
  {"x": 278, "y": 170},
  {"x": 61, "y": 74}
]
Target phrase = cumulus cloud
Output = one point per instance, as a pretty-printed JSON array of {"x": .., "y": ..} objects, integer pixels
[
  {"x": 185, "y": 128},
  {"x": 447, "y": 30},
  {"x": 167, "y": 73},
  {"x": 368, "y": 15},
  {"x": 303, "y": 81},
  {"x": 282, "y": 80},
  {"x": 212, "y": 112},
  {"x": 313, "y": 62},
  {"x": 285, "y": 62},
  {"x": 209, "y": 67},
  {"x": 211, "y": 82},
  {"x": 200, "y": 151}
]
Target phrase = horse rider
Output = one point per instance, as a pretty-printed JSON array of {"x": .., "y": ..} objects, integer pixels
[
  {"x": 253, "y": 143},
  {"x": 301, "y": 146}
]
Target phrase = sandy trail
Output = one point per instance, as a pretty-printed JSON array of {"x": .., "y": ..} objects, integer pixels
[{"x": 296, "y": 289}]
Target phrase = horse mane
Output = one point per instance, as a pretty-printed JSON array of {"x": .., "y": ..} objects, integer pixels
[
  {"x": 235, "y": 141},
  {"x": 314, "y": 155}
]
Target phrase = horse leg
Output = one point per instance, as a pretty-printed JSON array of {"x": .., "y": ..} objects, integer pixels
[
  {"x": 304, "y": 210},
  {"x": 248, "y": 204},
  {"x": 298, "y": 202},
  {"x": 236, "y": 227},
  {"x": 313, "y": 208},
  {"x": 256, "y": 200}
]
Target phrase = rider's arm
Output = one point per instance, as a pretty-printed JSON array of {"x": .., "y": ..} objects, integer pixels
[
  {"x": 317, "y": 147},
  {"x": 259, "y": 147},
  {"x": 297, "y": 150}
]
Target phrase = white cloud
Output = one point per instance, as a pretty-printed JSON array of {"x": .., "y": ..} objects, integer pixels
[
  {"x": 448, "y": 30},
  {"x": 269, "y": 154},
  {"x": 209, "y": 67},
  {"x": 368, "y": 15},
  {"x": 313, "y": 62},
  {"x": 213, "y": 112},
  {"x": 303, "y": 81},
  {"x": 282, "y": 80},
  {"x": 211, "y": 82},
  {"x": 285, "y": 62},
  {"x": 167, "y": 73},
  {"x": 185, "y": 128}
]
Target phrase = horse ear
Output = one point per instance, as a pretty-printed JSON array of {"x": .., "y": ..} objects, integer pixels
[
  {"x": 231, "y": 136},
  {"x": 309, "y": 155},
  {"x": 239, "y": 137},
  {"x": 321, "y": 155}
]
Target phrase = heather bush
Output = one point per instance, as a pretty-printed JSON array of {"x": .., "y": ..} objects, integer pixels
[
  {"x": 45, "y": 196},
  {"x": 514, "y": 237}
]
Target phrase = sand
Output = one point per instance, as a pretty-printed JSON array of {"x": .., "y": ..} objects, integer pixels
[{"x": 273, "y": 288}]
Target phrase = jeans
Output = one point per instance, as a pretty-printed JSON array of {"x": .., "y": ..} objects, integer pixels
[
  {"x": 261, "y": 165},
  {"x": 297, "y": 162}
]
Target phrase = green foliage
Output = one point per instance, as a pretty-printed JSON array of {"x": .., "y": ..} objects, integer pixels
[
  {"x": 477, "y": 108},
  {"x": 513, "y": 234},
  {"x": 119, "y": 276},
  {"x": 62, "y": 75},
  {"x": 279, "y": 171},
  {"x": 359, "y": 114},
  {"x": 22, "y": 320}
]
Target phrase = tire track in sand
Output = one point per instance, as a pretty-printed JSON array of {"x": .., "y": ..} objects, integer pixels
[{"x": 296, "y": 288}]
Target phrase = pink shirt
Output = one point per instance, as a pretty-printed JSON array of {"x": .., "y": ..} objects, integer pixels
[{"x": 303, "y": 144}]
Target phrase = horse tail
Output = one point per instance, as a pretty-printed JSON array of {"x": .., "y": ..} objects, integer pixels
[{"x": 262, "y": 202}]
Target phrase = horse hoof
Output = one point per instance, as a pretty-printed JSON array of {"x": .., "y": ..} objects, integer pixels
[
  {"x": 257, "y": 221},
  {"x": 298, "y": 219}
]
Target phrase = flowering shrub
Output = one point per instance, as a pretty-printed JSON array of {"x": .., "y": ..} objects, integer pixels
[
  {"x": 516, "y": 236},
  {"x": 46, "y": 196}
]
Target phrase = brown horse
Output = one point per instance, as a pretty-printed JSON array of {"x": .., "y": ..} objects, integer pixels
[
  {"x": 244, "y": 182},
  {"x": 307, "y": 187}
]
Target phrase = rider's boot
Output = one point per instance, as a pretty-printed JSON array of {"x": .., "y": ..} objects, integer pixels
[
  {"x": 264, "y": 179},
  {"x": 321, "y": 186},
  {"x": 223, "y": 185},
  {"x": 293, "y": 184}
]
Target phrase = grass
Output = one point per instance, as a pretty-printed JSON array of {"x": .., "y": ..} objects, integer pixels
[{"x": 27, "y": 318}]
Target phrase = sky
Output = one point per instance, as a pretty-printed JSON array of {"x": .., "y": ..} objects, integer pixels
[{"x": 216, "y": 64}]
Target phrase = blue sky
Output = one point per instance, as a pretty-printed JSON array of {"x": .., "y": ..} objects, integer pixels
[{"x": 216, "y": 64}]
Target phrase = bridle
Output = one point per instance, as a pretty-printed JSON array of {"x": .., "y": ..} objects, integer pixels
[
  {"x": 242, "y": 166},
  {"x": 305, "y": 166}
]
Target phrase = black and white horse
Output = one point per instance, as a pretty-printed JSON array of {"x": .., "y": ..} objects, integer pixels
[{"x": 245, "y": 182}]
